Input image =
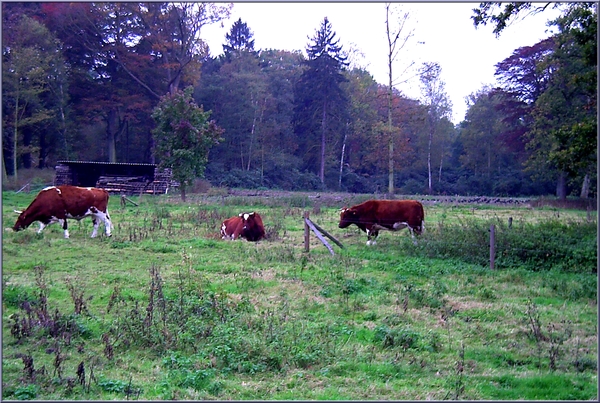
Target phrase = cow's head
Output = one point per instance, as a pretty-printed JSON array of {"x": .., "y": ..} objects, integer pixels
[
  {"x": 348, "y": 216},
  {"x": 252, "y": 229},
  {"x": 22, "y": 221}
]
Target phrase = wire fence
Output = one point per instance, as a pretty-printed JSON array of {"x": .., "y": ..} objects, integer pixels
[{"x": 498, "y": 244}]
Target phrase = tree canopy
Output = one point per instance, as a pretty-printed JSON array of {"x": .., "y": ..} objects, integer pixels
[
  {"x": 183, "y": 136},
  {"x": 82, "y": 81}
]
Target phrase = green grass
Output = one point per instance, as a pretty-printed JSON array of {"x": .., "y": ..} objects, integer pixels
[{"x": 168, "y": 310}]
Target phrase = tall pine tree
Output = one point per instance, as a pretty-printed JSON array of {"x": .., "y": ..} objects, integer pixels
[
  {"x": 239, "y": 39},
  {"x": 320, "y": 102}
]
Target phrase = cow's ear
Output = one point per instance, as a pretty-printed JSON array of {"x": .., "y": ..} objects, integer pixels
[
  {"x": 240, "y": 214},
  {"x": 252, "y": 213}
]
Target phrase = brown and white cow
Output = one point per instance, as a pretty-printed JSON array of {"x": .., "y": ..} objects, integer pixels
[
  {"x": 246, "y": 225},
  {"x": 57, "y": 203},
  {"x": 393, "y": 215}
]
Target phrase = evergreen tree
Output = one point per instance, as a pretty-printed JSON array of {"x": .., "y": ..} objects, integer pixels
[
  {"x": 320, "y": 102},
  {"x": 239, "y": 39}
]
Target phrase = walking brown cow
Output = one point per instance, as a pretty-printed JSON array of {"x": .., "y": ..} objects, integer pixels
[
  {"x": 57, "y": 203},
  {"x": 392, "y": 215}
]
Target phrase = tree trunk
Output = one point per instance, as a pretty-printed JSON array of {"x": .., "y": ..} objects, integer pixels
[
  {"x": 252, "y": 132},
  {"x": 585, "y": 188},
  {"x": 43, "y": 152},
  {"x": 430, "y": 186},
  {"x": 323, "y": 128},
  {"x": 561, "y": 186},
  {"x": 111, "y": 135},
  {"x": 391, "y": 45},
  {"x": 16, "y": 135},
  {"x": 4, "y": 175},
  {"x": 63, "y": 122},
  {"x": 26, "y": 155},
  {"x": 342, "y": 158},
  {"x": 182, "y": 190},
  {"x": 391, "y": 141},
  {"x": 441, "y": 164}
]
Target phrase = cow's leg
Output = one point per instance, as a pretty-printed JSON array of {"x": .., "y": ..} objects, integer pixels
[
  {"x": 108, "y": 225},
  {"x": 105, "y": 218},
  {"x": 107, "y": 222},
  {"x": 372, "y": 236},
  {"x": 43, "y": 225},
  {"x": 96, "y": 223},
  {"x": 64, "y": 225},
  {"x": 412, "y": 234}
]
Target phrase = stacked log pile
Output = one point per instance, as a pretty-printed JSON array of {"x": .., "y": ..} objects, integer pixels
[
  {"x": 162, "y": 183},
  {"x": 123, "y": 184},
  {"x": 62, "y": 175}
]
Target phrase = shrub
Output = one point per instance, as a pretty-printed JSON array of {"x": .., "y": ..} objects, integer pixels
[{"x": 547, "y": 245}]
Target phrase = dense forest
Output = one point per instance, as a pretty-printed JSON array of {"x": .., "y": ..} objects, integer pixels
[{"x": 80, "y": 81}]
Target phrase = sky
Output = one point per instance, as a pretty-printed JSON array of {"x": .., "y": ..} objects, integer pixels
[{"x": 442, "y": 32}]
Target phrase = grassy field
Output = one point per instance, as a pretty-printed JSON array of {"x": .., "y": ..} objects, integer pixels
[{"x": 165, "y": 309}]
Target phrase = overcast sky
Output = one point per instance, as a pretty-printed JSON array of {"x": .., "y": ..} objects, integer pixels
[{"x": 442, "y": 33}]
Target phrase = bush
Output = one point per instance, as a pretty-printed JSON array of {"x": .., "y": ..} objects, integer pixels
[
  {"x": 569, "y": 247},
  {"x": 355, "y": 183}
]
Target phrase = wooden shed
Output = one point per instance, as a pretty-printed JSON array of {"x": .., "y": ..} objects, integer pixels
[{"x": 115, "y": 177}]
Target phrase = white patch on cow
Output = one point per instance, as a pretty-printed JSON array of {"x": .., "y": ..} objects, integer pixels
[
  {"x": 97, "y": 216},
  {"x": 400, "y": 225},
  {"x": 52, "y": 221},
  {"x": 224, "y": 232},
  {"x": 373, "y": 242},
  {"x": 52, "y": 187},
  {"x": 108, "y": 226}
]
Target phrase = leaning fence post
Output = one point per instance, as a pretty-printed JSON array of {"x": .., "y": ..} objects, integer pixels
[
  {"x": 306, "y": 233},
  {"x": 492, "y": 246}
]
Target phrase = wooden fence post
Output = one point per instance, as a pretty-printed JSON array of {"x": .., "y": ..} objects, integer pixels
[
  {"x": 320, "y": 233},
  {"x": 492, "y": 246},
  {"x": 306, "y": 233}
]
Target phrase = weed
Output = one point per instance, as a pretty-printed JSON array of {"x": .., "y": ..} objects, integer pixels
[
  {"x": 28, "y": 392},
  {"x": 457, "y": 382},
  {"x": 77, "y": 291}
]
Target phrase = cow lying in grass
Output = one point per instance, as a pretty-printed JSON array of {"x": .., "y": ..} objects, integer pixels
[{"x": 248, "y": 226}]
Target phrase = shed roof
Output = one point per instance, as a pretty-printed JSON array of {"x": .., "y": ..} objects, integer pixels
[{"x": 105, "y": 163}]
